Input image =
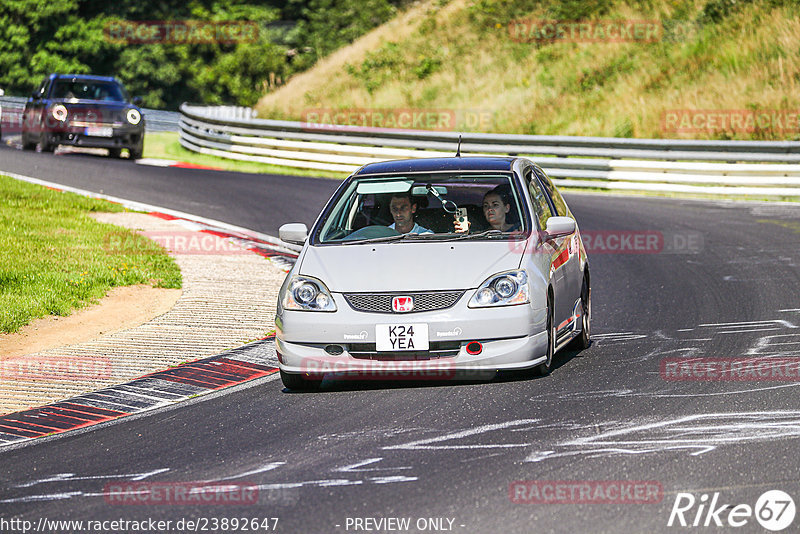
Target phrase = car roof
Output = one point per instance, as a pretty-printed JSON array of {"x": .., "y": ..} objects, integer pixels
[
  {"x": 88, "y": 77},
  {"x": 471, "y": 163}
]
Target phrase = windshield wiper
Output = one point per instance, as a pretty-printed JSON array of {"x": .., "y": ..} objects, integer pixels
[
  {"x": 485, "y": 233},
  {"x": 384, "y": 239}
]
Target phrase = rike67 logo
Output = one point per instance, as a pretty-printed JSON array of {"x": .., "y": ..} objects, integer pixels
[{"x": 774, "y": 510}]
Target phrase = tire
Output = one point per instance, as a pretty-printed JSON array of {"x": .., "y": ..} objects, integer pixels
[
  {"x": 27, "y": 145},
  {"x": 135, "y": 153},
  {"x": 298, "y": 383},
  {"x": 115, "y": 152},
  {"x": 583, "y": 341},
  {"x": 45, "y": 144},
  {"x": 544, "y": 368}
]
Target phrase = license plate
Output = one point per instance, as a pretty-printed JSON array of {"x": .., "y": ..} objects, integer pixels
[
  {"x": 99, "y": 132},
  {"x": 394, "y": 337}
]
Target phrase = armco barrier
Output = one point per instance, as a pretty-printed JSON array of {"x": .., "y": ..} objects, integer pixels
[{"x": 762, "y": 168}]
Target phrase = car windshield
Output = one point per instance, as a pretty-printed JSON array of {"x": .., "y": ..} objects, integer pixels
[
  {"x": 88, "y": 90},
  {"x": 433, "y": 206}
]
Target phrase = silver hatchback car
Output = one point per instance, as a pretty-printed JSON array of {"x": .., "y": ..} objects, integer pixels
[{"x": 434, "y": 269}]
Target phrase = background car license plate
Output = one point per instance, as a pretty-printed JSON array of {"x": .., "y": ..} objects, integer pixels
[
  {"x": 99, "y": 131},
  {"x": 391, "y": 337}
]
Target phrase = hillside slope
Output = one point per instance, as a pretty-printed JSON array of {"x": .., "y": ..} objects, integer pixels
[{"x": 715, "y": 69}]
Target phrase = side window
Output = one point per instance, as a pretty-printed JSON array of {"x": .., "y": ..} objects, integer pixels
[
  {"x": 42, "y": 89},
  {"x": 555, "y": 196},
  {"x": 538, "y": 199}
]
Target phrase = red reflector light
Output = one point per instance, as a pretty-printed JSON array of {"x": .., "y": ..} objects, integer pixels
[{"x": 473, "y": 348}]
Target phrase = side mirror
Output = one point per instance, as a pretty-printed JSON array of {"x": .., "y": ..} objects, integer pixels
[
  {"x": 36, "y": 95},
  {"x": 136, "y": 101},
  {"x": 559, "y": 227},
  {"x": 295, "y": 233}
]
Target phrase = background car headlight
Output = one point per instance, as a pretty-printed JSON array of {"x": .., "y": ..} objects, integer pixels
[
  {"x": 307, "y": 294},
  {"x": 134, "y": 116},
  {"x": 502, "y": 289},
  {"x": 59, "y": 112}
]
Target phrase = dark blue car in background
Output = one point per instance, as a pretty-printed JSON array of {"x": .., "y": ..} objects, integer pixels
[{"x": 85, "y": 111}]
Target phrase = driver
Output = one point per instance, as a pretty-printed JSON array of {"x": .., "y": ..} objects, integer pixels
[{"x": 403, "y": 210}]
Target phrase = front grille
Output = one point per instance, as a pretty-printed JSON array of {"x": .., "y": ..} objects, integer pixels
[
  {"x": 88, "y": 124},
  {"x": 382, "y": 302},
  {"x": 438, "y": 349}
]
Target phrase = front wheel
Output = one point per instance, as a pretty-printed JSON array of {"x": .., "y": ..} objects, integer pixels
[
  {"x": 298, "y": 382},
  {"x": 27, "y": 145},
  {"x": 544, "y": 368},
  {"x": 46, "y": 144},
  {"x": 585, "y": 338}
]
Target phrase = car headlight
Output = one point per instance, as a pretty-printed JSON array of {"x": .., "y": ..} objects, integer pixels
[
  {"x": 59, "y": 112},
  {"x": 307, "y": 294},
  {"x": 134, "y": 116},
  {"x": 502, "y": 289}
]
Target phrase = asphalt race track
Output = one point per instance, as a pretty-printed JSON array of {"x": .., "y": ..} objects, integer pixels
[{"x": 723, "y": 283}]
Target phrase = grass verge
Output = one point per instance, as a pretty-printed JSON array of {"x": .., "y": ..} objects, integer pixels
[
  {"x": 165, "y": 145},
  {"x": 56, "y": 258}
]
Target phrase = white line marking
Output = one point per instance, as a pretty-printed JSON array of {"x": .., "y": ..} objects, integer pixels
[
  {"x": 320, "y": 483},
  {"x": 422, "y": 444},
  {"x": 719, "y": 393},
  {"x": 389, "y": 480},
  {"x": 263, "y": 469},
  {"x": 743, "y": 323},
  {"x": 62, "y": 477},
  {"x": 50, "y": 497},
  {"x": 790, "y": 310},
  {"x": 703, "y": 432},
  {"x": 753, "y": 330},
  {"x": 155, "y": 162},
  {"x": 356, "y": 466}
]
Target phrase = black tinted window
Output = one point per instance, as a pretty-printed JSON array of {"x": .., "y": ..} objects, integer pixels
[
  {"x": 539, "y": 200},
  {"x": 88, "y": 90},
  {"x": 555, "y": 196}
]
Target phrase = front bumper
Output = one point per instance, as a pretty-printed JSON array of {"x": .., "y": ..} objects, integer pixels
[
  {"x": 512, "y": 337},
  {"x": 122, "y": 137}
]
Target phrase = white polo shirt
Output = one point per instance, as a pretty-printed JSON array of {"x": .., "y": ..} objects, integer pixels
[{"x": 416, "y": 230}]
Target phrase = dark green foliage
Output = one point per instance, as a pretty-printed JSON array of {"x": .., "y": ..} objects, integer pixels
[
  {"x": 67, "y": 36},
  {"x": 326, "y": 25},
  {"x": 716, "y": 10},
  {"x": 378, "y": 66}
]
